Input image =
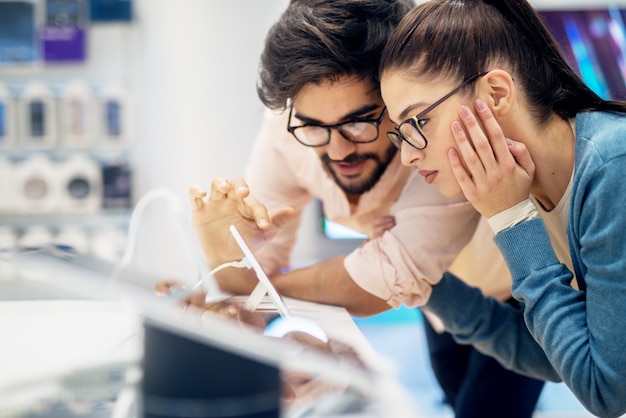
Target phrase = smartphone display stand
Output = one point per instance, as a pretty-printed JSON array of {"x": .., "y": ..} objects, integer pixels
[{"x": 264, "y": 286}]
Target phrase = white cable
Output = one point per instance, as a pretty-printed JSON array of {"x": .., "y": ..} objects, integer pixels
[
  {"x": 135, "y": 219},
  {"x": 177, "y": 215},
  {"x": 238, "y": 264}
]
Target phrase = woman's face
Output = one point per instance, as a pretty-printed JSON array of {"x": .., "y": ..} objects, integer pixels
[{"x": 406, "y": 97}]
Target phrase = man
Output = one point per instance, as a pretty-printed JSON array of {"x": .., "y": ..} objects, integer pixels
[{"x": 319, "y": 67}]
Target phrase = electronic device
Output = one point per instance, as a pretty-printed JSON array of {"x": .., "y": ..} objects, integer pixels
[
  {"x": 35, "y": 185},
  {"x": 37, "y": 116},
  {"x": 64, "y": 35},
  {"x": 76, "y": 115},
  {"x": 7, "y": 117},
  {"x": 19, "y": 24},
  {"x": 117, "y": 185},
  {"x": 265, "y": 286},
  {"x": 80, "y": 184},
  {"x": 114, "y": 119},
  {"x": 111, "y": 10},
  {"x": 288, "y": 322}
]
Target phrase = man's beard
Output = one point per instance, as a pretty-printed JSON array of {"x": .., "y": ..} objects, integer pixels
[{"x": 363, "y": 185}]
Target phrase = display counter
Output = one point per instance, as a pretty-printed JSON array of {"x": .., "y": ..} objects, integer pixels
[{"x": 79, "y": 345}]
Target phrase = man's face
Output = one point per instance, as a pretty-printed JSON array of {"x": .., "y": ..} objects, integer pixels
[{"x": 356, "y": 167}]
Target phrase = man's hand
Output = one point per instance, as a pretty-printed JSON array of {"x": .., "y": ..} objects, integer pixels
[
  {"x": 230, "y": 203},
  {"x": 382, "y": 225}
]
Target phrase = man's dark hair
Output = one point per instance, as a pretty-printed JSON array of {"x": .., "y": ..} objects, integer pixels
[{"x": 321, "y": 40}]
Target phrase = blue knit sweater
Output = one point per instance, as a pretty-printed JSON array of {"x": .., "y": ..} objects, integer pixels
[{"x": 561, "y": 333}]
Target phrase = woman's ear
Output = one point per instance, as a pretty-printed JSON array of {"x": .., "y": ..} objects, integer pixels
[{"x": 498, "y": 90}]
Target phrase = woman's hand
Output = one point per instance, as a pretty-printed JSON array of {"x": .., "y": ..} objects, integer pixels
[{"x": 493, "y": 171}]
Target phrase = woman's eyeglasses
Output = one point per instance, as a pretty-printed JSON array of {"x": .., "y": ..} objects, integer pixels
[{"x": 410, "y": 130}]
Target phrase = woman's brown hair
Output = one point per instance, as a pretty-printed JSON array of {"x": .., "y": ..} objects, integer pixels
[{"x": 457, "y": 38}]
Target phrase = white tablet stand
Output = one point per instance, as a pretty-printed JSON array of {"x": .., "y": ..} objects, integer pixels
[
  {"x": 287, "y": 322},
  {"x": 265, "y": 286}
]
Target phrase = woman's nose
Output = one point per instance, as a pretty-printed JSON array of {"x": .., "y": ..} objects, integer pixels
[{"x": 410, "y": 155}]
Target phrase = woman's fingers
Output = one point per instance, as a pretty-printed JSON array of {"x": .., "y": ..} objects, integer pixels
[
  {"x": 494, "y": 144},
  {"x": 522, "y": 156},
  {"x": 464, "y": 162},
  {"x": 492, "y": 174}
]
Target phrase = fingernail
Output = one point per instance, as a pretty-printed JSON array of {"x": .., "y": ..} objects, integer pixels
[
  {"x": 263, "y": 222},
  {"x": 456, "y": 127},
  {"x": 480, "y": 105},
  {"x": 465, "y": 111},
  {"x": 509, "y": 141}
]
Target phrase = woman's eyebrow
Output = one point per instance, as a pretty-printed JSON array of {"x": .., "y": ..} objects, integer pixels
[{"x": 408, "y": 111}]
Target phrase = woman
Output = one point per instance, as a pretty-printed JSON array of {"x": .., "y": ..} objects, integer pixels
[{"x": 486, "y": 105}]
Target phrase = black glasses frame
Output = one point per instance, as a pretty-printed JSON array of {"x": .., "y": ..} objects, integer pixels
[
  {"x": 396, "y": 136},
  {"x": 376, "y": 122}
]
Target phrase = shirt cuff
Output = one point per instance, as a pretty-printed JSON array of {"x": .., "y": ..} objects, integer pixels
[{"x": 512, "y": 216}]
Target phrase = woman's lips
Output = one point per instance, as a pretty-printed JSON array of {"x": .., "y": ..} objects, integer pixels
[{"x": 429, "y": 176}]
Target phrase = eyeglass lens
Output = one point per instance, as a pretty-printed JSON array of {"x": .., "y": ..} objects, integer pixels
[
  {"x": 413, "y": 134},
  {"x": 352, "y": 131}
]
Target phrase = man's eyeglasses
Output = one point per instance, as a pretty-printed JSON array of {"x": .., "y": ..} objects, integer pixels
[
  {"x": 357, "y": 131},
  {"x": 410, "y": 130}
]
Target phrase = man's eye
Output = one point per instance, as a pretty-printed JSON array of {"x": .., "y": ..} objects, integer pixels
[{"x": 422, "y": 122}]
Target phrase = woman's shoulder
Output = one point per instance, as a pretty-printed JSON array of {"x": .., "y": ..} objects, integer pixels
[
  {"x": 602, "y": 133},
  {"x": 589, "y": 121}
]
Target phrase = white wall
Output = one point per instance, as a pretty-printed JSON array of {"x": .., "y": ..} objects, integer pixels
[{"x": 197, "y": 111}]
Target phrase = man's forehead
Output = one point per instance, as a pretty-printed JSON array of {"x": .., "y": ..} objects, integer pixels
[
  {"x": 346, "y": 81},
  {"x": 339, "y": 99}
]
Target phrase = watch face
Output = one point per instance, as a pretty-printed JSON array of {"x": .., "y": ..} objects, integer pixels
[
  {"x": 64, "y": 13},
  {"x": 36, "y": 188},
  {"x": 79, "y": 188},
  {"x": 37, "y": 118}
]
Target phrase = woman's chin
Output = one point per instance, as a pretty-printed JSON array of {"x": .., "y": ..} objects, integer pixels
[{"x": 448, "y": 189}]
